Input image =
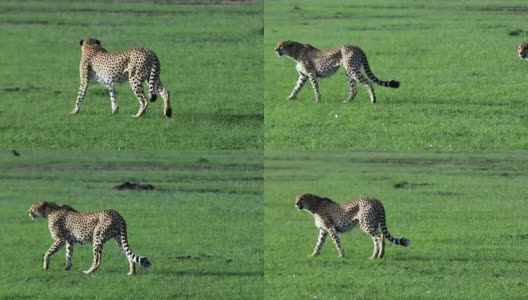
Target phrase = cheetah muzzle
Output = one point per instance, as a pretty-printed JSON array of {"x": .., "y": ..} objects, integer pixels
[{"x": 522, "y": 50}]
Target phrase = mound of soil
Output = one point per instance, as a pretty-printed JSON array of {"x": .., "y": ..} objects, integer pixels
[{"x": 127, "y": 185}]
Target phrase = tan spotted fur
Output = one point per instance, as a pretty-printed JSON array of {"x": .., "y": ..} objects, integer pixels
[
  {"x": 68, "y": 226},
  {"x": 313, "y": 63},
  {"x": 137, "y": 65},
  {"x": 333, "y": 218}
]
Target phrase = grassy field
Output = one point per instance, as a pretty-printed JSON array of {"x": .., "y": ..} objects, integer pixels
[
  {"x": 463, "y": 86},
  {"x": 211, "y": 60},
  {"x": 463, "y": 212},
  {"x": 201, "y": 227}
]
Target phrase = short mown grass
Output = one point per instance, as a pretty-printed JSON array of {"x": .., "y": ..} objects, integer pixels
[
  {"x": 463, "y": 86},
  {"x": 211, "y": 62},
  {"x": 201, "y": 227},
  {"x": 463, "y": 212}
]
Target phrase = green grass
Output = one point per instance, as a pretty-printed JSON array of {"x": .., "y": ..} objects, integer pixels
[
  {"x": 211, "y": 60},
  {"x": 463, "y": 86},
  {"x": 201, "y": 227},
  {"x": 463, "y": 212}
]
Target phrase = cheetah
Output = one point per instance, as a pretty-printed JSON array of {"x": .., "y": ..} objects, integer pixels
[
  {"x": 313, "y": 63},
  {"x": 333, "y": 218},
  {"x": 112, "y": 68},
  {"x": 522, "y": 50},
  {"x": 68, "y": 226}
]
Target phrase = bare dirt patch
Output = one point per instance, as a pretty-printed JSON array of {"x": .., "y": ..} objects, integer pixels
[{"x": 133, "y": 186}]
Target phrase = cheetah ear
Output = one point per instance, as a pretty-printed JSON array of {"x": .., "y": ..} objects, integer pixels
[
  {"x": 44, "y": 208},
  {"x": 81, "y": 42},
  {"x": 98, "y": 42}
]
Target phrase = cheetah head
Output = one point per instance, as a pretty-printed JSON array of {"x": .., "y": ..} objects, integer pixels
[
  {"x": 307, "y": 201},
  {"x": 522, "y": 49},
  {"x": 90, "y": 42},
  {"x": 38, "y": 209},
  {"x": 286, "y": 48},
  {"x": 43, "y": 208}
]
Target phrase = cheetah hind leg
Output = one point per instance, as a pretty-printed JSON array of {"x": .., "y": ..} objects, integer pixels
[
  {"x": 69, "y": 255},
  {"x": 376, "y": 247},
  {"x": 131, "y": 263},
  {"x": 97, "y": 252},
  {"x": 381, "y": 240},
  {"x": 137, "y": 88},
  {"x": 113, "y": 100},
  {"x": 353, "y": 89},
  {"x": 379, "y": 245},
  {"x": 366, "y": 83},
  {"x": 167, "y": 109},
  {"x": 132, "y": 268}
]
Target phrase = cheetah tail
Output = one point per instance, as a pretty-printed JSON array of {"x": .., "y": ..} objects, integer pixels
[
  {"x": 401, "y": 241},
  {"x": 143, "y": 261},
  {"x": 153, "y": 81},
  {"x": 391, "y": 83}
]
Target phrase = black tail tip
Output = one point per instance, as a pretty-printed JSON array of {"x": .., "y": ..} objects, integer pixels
[
  {"x": 405, "y": 242},
  {"x": 168, "y": 113},
  {"x": 153, "y": 97},
  {"x": 394, "y": 84},
  {"x": 145, "y": 263}
]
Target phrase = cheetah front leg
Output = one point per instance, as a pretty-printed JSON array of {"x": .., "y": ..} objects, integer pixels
[
  {"x": 57, "y": 244},
  {"x": 82, "y": 91},
  {"x": 315, "y": 86},
  {"x": 113, "y": 100},
  {"x": 337, "y": 243},
  {"x": 320, "y": 241},
  {"x": 376, "y": 247},
  {"x": 69, "y": 254},
  {"x": 298, "y": 86}
]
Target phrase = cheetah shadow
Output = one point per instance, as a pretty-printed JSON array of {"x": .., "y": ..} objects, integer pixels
[
  {"x": 460, "y": 259},
  {"x": 214, "y": 273}
]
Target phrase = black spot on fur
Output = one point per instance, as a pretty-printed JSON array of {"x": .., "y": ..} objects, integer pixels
[{"x": 394, "y": 84}]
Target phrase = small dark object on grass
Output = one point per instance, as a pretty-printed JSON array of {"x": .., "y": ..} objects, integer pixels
[
  {"x": 127, "y": 185},
  {"x": 15, "y": 153},
  {"x": 516, "y": 32},
  {"x": 187, "y": 257}
]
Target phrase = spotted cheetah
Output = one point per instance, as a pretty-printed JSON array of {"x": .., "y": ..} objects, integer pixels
[
  {"x": 313, "y": 63},
  {"x": 112, "y": 68},
  {"x": 333, "y": 218},
  {"x": 522, "y": 49},
  {"x": 68, "y": 226}
]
